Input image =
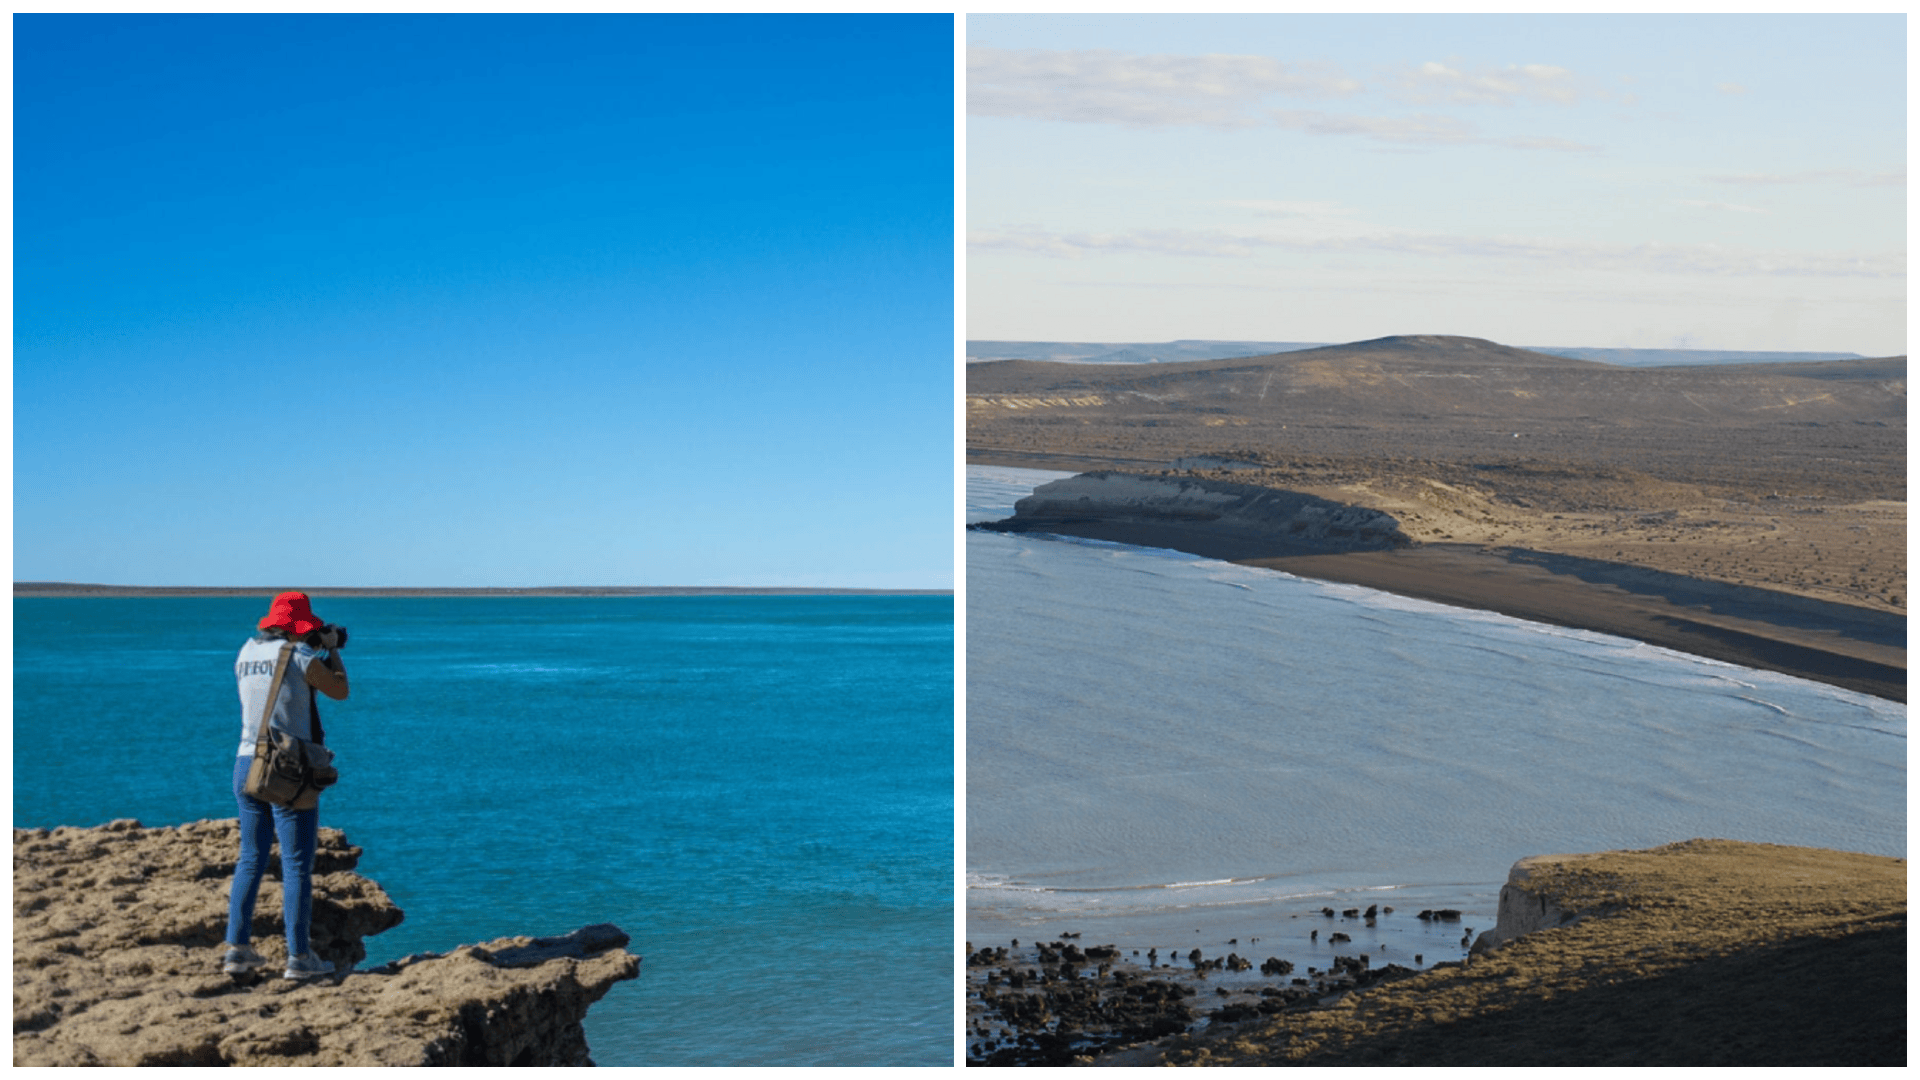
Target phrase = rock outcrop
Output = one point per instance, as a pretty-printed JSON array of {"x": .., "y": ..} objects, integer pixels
[
  {"x": 1528, "y": 910},
  {"x": 1219, "y": 505},
  {"x": 117, "y": 942}
]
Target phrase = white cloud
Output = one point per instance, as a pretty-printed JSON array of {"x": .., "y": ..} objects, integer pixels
[
  {"x": 1896, "y": 177},
  {"x": 1280, "y": 208},
  {"x": 1425, "y": 129},
  {"x": 1100, "y": 86},
  {"x": 1434, "y": 81},
  {"x": 1191, "y": 242},
  {"x": 1734, "y": 208},
  {"x": 1708, "y": 260},
  {"x": 1730, "y": 88}
]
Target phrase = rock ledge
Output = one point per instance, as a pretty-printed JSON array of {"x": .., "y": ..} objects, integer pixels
[{"x": 118, "y": 935}]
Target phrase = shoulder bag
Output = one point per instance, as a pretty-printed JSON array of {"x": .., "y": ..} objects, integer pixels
[{"x": 287, "y": 770}]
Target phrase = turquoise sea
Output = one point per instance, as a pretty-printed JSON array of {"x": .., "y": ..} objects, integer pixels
[{"x": 758, "y": 789}]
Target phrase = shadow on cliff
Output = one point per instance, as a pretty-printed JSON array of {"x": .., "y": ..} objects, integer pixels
[{"x": 1808, "y": 1001}]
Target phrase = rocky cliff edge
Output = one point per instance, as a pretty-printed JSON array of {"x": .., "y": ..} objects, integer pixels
[{"x": 118, "y": 935}]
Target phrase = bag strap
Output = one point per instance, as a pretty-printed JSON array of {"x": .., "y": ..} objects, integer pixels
[
  {"x": 313, "y": 710},
  {"x": 273, "y": 696}
]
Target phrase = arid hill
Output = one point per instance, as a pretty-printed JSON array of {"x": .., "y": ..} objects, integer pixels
[
  {"x": 1789, "y": 477},
  {"x": 1421, "y": 394}
]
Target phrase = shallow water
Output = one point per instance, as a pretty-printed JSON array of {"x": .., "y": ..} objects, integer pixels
[
  {"x": 1161, "y": 746},
  {"x": 759, "y": 790}
]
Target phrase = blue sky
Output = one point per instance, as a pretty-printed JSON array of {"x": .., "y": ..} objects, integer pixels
[
  {"x": 475, "y": 301},
  {"x": 1714, "y": 182}
]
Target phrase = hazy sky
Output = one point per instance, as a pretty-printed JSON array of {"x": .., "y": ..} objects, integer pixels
[
  {"x": 484, "y": 300},
  {"x": 1718, "y": 182}
]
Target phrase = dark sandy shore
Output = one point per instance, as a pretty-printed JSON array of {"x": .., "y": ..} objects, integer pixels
[{"x": 1851, "y": 647}]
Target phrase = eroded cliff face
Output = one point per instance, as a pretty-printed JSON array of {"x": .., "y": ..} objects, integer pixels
[
  {"x": 1527, "y": 907},
  {"x": 117, "y": 942},
  {"x": 1217, "y": 504}
]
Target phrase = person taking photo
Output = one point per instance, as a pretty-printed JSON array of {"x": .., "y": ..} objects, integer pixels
[{"x": 314, "y": 666}]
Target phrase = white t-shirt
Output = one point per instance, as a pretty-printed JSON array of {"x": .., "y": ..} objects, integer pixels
[{"x": 293, "y": 711}]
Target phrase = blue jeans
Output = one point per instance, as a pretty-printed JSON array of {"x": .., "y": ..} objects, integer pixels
[{"x": 299, "y": 834}]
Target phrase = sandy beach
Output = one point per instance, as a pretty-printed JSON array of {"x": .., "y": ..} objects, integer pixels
[
  {"x": 1857, "y": 647},
  {"x": 1854, "y": 648}
]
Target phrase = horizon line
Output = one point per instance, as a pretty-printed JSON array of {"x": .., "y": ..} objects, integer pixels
[{"x": 67, "y": 588}]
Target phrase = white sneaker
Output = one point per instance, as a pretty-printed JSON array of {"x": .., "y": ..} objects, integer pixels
[
  {"x": 308, "y": 966},
  {"x": 242, "y": 960}
]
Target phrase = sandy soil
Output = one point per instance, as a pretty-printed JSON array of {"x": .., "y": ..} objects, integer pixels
[
  {"x": 1850, "y": 552},
  {"x": 1845, "y": 552},
  {"x": 1708, "y": 952}
]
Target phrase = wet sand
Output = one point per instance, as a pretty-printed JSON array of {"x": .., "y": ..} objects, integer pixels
[{"x": 1855, "y": 648}]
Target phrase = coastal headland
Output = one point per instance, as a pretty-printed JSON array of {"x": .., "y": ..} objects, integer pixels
[
  {"x": 1706, "y": 952},
  {"x": 1754, "y": 514},
  {"x": 118, "y": 935}
]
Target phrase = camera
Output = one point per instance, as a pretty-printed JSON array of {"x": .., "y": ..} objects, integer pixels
[{"x": 328, "y": 637}]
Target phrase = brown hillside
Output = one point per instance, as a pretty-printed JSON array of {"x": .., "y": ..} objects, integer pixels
[
  {"x": 1790, "y": 477},
  {"x": 1443, "y": 382}
]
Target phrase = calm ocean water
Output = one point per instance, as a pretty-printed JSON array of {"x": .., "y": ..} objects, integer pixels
[
  {"x": 758, "y": 789},
  {"x": 1169, "y": 750}
]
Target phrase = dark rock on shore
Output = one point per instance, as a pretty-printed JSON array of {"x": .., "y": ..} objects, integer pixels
[
  {"x": 1058, "y": 1014},
  {"x": 118, "y": 937}
]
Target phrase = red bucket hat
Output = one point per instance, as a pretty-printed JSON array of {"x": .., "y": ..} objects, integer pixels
[{"x": 291, "y": 611}]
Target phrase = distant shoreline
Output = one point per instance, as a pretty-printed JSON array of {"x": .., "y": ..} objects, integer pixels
[{"x": 71, "y": 589}]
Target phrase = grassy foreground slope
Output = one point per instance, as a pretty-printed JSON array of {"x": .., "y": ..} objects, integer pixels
[{"x": 1708, "y": 952}]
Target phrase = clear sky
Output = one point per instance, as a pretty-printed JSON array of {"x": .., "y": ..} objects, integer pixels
[
  {"x": 484, "y": 301},
  {"x": 1712, "y": 182}
]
